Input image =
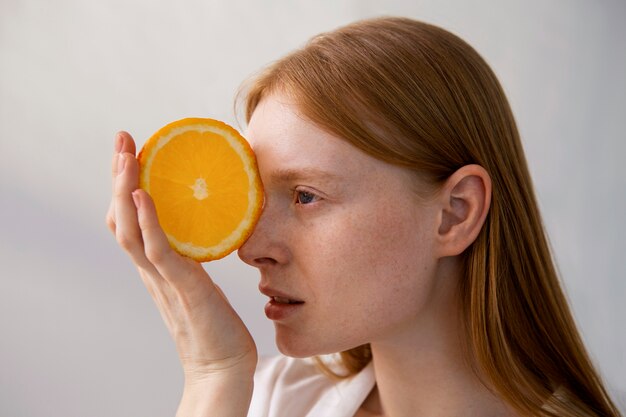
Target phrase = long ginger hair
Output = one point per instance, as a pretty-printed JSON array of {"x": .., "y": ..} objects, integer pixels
[{"x": 417, "y": 96}]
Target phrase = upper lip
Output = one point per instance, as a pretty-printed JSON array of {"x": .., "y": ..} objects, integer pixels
[{"x": 271, "y": 292}]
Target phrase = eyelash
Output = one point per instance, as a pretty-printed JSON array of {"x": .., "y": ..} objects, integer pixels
[{"x": 299, "y": 193}]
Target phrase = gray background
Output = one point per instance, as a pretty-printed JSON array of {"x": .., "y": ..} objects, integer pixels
[{"x": 79, "y": 335}]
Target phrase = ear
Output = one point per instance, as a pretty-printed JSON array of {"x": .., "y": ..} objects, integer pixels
[{"x": 464, "y": 203}]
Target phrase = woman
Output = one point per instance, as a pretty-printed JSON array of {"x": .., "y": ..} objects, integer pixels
[{"x": 400, "y": 228}]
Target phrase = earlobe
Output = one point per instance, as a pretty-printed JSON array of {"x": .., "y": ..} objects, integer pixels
[{"x": 465, "y": 201}]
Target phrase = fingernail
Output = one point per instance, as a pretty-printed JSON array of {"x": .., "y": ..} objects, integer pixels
[
  {"x": 121, "y": 162},
  {"x": 136, "y": 198},
  {"x": 118, "y": 142}
]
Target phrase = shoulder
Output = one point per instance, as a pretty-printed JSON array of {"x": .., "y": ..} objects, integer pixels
[{"x": 285, "y": 386}]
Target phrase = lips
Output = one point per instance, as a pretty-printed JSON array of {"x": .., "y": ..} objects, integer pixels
[
  {"x": 283, "y": 300},
  {"x": 282, "y": 306},
  {"x": 278, "y": 296}
]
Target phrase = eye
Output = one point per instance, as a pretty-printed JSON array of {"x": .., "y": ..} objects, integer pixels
[{"x": 305, "y": 197}]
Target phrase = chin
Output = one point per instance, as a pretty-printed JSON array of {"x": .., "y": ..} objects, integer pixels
[
  {"x": 301, "y": 346},
  {"x": 296, "y": 349}
]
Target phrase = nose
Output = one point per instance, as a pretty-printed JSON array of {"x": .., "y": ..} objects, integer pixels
[{"x": 266, "y": 245}]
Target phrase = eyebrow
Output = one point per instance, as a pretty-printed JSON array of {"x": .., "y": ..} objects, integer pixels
[{"x": 307, "y": 173}]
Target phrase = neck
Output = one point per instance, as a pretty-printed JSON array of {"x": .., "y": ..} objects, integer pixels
[{"x": 423, "y": 370}]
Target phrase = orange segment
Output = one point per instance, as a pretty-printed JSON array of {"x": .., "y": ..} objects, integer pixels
[{"x": 204, "y": 180}]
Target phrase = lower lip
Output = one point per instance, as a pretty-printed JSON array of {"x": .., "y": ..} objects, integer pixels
[{"x": 281, "y": 311}]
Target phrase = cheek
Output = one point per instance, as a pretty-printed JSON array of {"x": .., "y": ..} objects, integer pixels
[
  {"x": 388, "y": 241},
  {"x": 373, "y": 267}
]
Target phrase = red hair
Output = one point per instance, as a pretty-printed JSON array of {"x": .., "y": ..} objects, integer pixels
[{"x": 415, "y": 95}]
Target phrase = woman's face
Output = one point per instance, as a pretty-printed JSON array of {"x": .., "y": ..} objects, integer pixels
[{"x": 342, "y": 235}]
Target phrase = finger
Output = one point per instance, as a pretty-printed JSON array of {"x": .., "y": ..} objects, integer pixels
[
  {"x": 156, "y": 246},
  {"x": 176, "y": 269},
  {"x": 127, "y": 143},
  {"x": 127, "y": 230},
  {"x": 110, "y": 217},
  {"x": 123, "y": 143}
]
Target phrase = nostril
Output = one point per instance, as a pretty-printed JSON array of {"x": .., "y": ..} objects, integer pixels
[
  {"x": 248, "y": 255},
  {"x": 264, "y": 261}
]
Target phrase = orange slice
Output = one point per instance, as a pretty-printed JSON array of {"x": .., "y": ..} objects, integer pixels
[{"x": 204, "y": 180}]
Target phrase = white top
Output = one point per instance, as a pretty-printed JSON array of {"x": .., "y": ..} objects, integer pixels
[{"x": 285, "y": 386}]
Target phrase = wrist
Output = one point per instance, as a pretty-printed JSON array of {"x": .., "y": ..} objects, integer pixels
[
  {"x": 227, "y": 395},
  {"x": 240, "y": 368}
]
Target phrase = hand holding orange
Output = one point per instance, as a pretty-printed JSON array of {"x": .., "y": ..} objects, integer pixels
[
  {"x": 203, "y": 178},
  {"x": 208, "y": 333}
]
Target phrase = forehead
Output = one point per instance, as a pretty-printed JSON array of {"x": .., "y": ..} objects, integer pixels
[
  {"x": 284, "y": 138},
  {"x": 291, "y": 149}
]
